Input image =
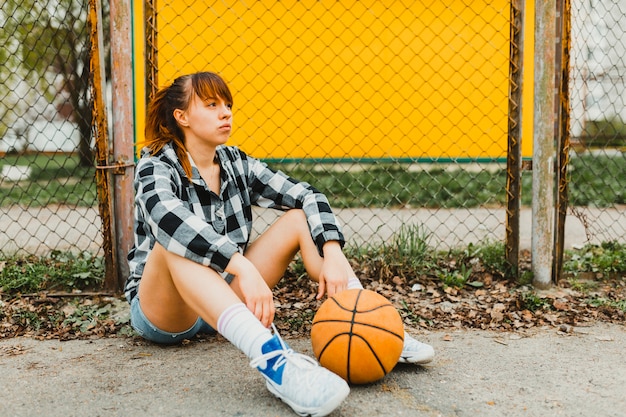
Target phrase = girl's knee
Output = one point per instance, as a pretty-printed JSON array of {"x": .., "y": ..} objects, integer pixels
[
  {"x": 296, "y": 218},
  {"x": 296, "y": 214}
]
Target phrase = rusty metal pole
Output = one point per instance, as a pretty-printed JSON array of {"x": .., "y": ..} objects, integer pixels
[
  {"x": 544, "y": 148},
  {"x": 563, "y": 139},
  {"x": 103, "y": 176},
  {"x": 514, "y": 148},
  {"x": 123, "y": 130}
]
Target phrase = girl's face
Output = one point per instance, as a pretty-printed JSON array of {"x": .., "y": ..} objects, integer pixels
[{"x": 207, "y": 121}]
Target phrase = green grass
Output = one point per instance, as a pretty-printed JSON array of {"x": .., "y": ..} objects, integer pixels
[
  {"x": 597, "y": 181},
  {"x": 582, "y": 286},
  {"x": 54, "y": 179},
  {"x": 61, "y": 271},
  {"x": 491, "y": 254},
  {"x": 406, "y": 256},
  {"x": 394, "y": 186},
  {"x": 607, "y": 258},
  {"x": 83, "y": 317},
  {"x": 594, "y": 181},
  {"x": 604, "y": 302},
  {"x": 532, "y": 302},
  {"x": 455, "y": 278},
  {"x": 593, "y": 267},
  {"x": 409, "y": 246}
]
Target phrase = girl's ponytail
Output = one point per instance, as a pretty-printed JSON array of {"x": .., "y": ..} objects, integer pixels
[{"x": 161, "y": 126}]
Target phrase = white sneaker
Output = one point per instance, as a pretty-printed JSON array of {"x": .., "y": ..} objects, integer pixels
[
  {"x": 415, "y": 352},
  {"x": 298, "y": 380}
]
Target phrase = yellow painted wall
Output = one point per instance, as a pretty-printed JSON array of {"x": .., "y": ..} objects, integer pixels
[
  {"x": 349, "y": 79},
  {"x": 139, "y": 73},
  {"x": 528, "y": 80}
]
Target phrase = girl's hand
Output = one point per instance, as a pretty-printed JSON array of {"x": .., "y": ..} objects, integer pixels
[
  {"x": 256, "y": 294},
  {"x": 336, "y": 271}
]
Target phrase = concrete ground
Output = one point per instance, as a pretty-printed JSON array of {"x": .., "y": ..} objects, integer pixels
[{"x": 475, "y": 373}]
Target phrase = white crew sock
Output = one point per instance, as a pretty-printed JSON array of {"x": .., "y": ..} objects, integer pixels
[
  {"x": 243, "y": 329},
  {"x": 354, "y": 283}
]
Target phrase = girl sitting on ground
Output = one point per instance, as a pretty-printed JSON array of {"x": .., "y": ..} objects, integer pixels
[{"x": 193, "y": 265}]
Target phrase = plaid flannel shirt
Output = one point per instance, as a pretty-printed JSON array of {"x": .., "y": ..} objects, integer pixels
[{"x": 191, "y": 221}]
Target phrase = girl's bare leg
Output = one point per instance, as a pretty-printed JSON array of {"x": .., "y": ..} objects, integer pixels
[
  {"x": 272, "y": 252},
  {"x": 174, "y": 291}
]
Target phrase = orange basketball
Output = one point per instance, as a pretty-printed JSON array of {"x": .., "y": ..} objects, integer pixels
[{"x": 357, "y": 334}]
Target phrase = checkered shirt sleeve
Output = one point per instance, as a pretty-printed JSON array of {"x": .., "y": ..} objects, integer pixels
[
  {"x": 274, "y": 189},
  {"x": 188, "y": 220}
]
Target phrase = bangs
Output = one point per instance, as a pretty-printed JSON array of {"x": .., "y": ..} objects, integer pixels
[{"x": 208, "y": 85}]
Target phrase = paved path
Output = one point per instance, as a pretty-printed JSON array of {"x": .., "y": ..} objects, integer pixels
[{"x": 475, "y": 373}]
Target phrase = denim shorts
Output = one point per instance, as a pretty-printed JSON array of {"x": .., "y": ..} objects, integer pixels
[{"x": 150, "y": 332}]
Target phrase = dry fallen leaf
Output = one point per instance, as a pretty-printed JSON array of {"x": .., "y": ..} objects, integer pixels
[
  {"x": 13, "y": 350},
  {"x": 497, "y": 312},
  {"x": 500, "y": 305},
  {"x": 560, "y": 305}
]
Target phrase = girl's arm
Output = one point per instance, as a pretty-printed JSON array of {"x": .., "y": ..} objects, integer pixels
[
  {"x": 255, "y": 291},
  {"x": 335, "y": 272},
  {"x": 274, "y": 189},
  {"x": 277, "y": 190}
]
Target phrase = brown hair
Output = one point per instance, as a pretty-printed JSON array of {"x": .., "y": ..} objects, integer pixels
[{"x": 161, "y": 126}]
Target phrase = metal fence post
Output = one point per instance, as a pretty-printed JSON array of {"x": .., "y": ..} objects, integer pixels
[
  {"x": 123, "y": 130},
  {"x": 514, "y": 149},
  {"x": 543, "y": 143},
  {"x": 103, "y": 174},
  {"x": 563, "y": 137}
]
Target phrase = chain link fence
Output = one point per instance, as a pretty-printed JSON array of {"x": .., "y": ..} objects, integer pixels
[
  {"x": 47, "y": 188},
  {"x": 597, "y": 171},
  {"x": 396, "y": 110},
  {"x": 401, "y": 112}
]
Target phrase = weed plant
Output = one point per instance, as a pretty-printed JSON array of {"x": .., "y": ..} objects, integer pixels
[
  {"x": 406, "y": 255},
  {"x": 608, "y": 258},
  {"x": 61, "y": 271}
]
